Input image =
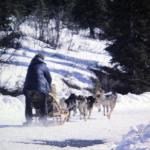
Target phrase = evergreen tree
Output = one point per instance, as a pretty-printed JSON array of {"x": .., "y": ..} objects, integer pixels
[
  {"x": 4, "y": 20},
  {"x": 89, "y": 14},
  {"x": 8, "y": 38},
  {"x": 128, "y": 27}
]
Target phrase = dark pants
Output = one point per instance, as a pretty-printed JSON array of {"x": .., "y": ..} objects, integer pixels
[{"x": 38, "y": 101}]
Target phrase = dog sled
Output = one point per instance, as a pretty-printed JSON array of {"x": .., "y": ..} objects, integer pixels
[
  {"x": 56, "y": 114},
  {"x": 55, "y": 111}
]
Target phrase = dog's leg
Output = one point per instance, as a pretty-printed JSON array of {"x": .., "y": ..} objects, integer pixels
[
  {"x": 90, "y": 110},
  {"x": 104, "y": 110},
  {"x": 68, "y": 118},
  {"x": 109, "y": 113},
  {"x": 85, "y": 113},
  {"x": 111, "y": 109},
  {"x": 80, "y": 111},
  {"x": 107, "y": 110},
  {"x": 75, "y": 110},
  {"x": 99, "y": 106}
]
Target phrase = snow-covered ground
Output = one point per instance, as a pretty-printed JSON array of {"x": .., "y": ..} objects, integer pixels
[
  {"x": 122, "y": 132},
  {"x": 97, "y": 133},
  {"x": 71, "y": 66}
]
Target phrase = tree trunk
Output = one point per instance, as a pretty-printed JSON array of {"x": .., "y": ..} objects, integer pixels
[{"x": 92, "y": 34}]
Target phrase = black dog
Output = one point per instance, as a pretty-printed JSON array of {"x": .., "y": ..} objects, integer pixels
[
  {"x": 71, "y": 104},
  {"x": 90, "y": 101}
]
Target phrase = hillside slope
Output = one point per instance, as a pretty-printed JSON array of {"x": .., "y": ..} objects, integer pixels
[{"x": 72, "y": 66}]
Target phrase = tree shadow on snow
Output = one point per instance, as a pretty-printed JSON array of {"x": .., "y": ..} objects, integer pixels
[
  {"x": 78, "y": 143},
  {"x": 63, "y": 57}
]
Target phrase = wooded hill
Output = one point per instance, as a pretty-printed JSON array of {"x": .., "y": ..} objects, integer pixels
[{"x": 125, "y": 23}]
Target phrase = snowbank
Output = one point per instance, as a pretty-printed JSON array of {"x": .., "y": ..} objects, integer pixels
[
  {"x": 12, "y": 109},
  {"x": 138, "y": 138},
  {"x": 133, "y": 102}
]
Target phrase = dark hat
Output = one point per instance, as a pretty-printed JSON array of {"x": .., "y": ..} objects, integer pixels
[{"x": 40, "y": 56}]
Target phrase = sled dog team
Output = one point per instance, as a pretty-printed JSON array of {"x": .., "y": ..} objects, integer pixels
[
  {"x": 85, "y": 104},
  {"x": 82, "y": 104},
  {"x": 37, "y": 87}
]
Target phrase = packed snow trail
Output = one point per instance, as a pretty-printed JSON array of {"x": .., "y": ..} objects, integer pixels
[{"x": 98, "y": 133}]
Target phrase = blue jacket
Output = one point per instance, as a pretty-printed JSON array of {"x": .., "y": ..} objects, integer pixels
[{"x": 38, "y": 77}]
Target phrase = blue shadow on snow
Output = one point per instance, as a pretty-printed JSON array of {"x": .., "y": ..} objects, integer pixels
[
  {"x": 78, "y": 143},
  {"x": 63, "y": 57}
]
